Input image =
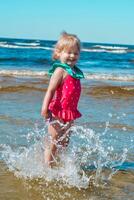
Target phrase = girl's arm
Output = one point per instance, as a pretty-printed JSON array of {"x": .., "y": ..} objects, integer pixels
[{"x": 55, "y": 81}]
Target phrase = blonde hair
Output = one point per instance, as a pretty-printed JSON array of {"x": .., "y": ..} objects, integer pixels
[{"x": 65, "y": 41}]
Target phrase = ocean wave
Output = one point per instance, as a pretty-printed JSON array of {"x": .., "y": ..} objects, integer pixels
[
  {"x": 110, "y": 77},
  {"x": 110, "y": 47},
  {"x": 37, "y": 45},
  {"x": 118, "y": 51},
  {"x": 20, "y": 88},
  {"x": 89, "y": 76},
  {"x": 2, "y": 43},
  {"x": 82, "y": 63},
  {"x": 102, "y": 91},
  {"x": 25, "y": 73},
  {"x": 28, "y": 43},
  {"x": 28, "y": 46},
  {"x": 129, "y": 88},
  {"x": 93, "y": 50}
]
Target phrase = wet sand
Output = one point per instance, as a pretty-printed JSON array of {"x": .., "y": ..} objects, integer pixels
[{"x": 121, "y": 186}]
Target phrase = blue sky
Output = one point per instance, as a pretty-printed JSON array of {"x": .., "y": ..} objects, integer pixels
[{"x": 109, "y": 21}]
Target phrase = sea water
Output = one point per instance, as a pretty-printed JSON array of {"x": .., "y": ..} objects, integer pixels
[{"x": 98, "y": 163}]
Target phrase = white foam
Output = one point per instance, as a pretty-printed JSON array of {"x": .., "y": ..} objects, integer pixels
[
  {"x": 22, "y": 73},
  {"x": 109, "y": 77},
  {"x": 36, "y": 45},
  {"x": 89, "y": 76},
  {"x": 117, "y": 51},
  {"x": 94, "y": 50},
  {"x": 85, "y": 149},
  {"x": 106, "y": 50},
  {"x": 128, "y": 88},
  {"x": 111, "y": 47},
  {"x": 103, "y": 50},
  {"x": 27, "y": 46}
]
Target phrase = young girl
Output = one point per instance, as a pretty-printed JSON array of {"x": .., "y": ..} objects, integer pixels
[{"x": 63, "y": 93}]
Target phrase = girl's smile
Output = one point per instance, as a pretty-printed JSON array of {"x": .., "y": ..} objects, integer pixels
[{"x": 70, "y": 56}]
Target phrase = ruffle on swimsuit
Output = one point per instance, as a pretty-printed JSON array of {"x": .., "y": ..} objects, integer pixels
[{"x": 74, "y": 72}]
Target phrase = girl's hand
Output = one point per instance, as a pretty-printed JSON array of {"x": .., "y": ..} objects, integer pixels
[{"x": 46, "y": 114}]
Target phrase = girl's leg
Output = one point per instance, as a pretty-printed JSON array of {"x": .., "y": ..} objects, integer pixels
[
  {"x": 59, "y": 136},
  {"x": 65, "y": 137},
  {"x": 51, "y": 148}
]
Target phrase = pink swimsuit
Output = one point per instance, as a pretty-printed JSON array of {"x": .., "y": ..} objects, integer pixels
[{"x": 65, "y": 101}]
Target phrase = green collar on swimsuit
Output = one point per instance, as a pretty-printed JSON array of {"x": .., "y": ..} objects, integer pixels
[{"x": 75, "y": 72}]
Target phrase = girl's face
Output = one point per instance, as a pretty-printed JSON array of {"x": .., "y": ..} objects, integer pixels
[{"x": 70, "y": 56}]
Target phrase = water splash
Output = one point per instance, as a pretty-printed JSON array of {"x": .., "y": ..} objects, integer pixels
[{"x": 87, "y": 158}]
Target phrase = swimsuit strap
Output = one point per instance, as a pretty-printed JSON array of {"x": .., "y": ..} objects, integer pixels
[{"x": 75, "y": 72}]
